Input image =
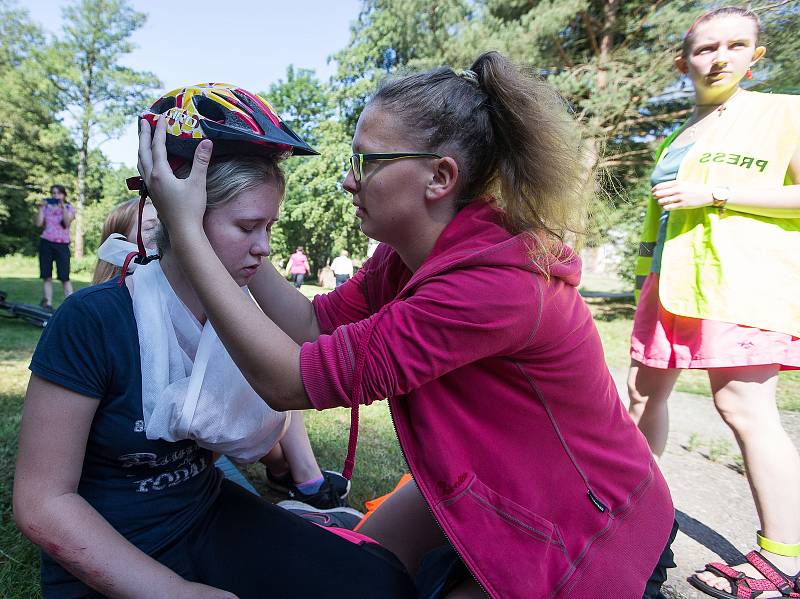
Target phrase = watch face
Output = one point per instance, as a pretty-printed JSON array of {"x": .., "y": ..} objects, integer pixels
[{"x": 720, "y": 194}]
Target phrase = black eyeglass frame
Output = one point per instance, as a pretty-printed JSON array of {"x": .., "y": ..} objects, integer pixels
[{"x": 357, "y": 160}]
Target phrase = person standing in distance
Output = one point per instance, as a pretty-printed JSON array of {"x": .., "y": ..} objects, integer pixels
[
  {"x": 298, "y": 266},
  {"x": 55, "y": 214},
  {"x": 342, "y": 267}
]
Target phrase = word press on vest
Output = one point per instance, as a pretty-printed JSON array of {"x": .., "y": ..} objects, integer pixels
[{"x": 734, "y": 159}]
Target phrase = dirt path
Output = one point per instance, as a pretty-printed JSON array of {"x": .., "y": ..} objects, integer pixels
[{"x": 702, "y": 465}]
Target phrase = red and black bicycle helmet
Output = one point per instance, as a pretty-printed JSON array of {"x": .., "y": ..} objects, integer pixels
[{"x": 236, "y": 120}]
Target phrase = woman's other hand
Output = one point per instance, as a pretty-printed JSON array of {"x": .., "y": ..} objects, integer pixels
[
  {"x": 180, "y": 203},
  {"x": 678, "y": 195}
]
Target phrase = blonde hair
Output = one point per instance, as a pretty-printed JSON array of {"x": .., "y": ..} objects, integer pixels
[
  {"x": 512, "y": 137},
  {"x": 228, "y": 177},
  {"x": 120, "y": 220}
]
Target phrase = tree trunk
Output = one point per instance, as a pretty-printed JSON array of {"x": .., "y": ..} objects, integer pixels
[
  {"x": 610, "y": 8},
  {"x": 83, "y": 159}
]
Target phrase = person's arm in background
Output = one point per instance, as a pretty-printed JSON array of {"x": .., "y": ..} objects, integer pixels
[
  {"x": 68, "y": 214},
  {"x": 39, "y": 218},
  {"x": 305, "y": 263},
  {"x": 49, "y": 511},
  {"x": 677, "y": 195}
]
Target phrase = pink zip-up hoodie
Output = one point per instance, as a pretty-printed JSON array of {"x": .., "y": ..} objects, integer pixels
[{"x": 505, "y": 410}]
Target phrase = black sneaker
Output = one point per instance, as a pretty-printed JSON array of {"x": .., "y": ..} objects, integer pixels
[
  {"x": 285, "y": 485},
  {"x": 338, "y": 517},
  {"x": 339, "y": 483},
  {"x": 332, "y": 493}
]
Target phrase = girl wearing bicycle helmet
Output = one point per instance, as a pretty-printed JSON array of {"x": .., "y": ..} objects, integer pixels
[
  {"x": 530, "y": 478},
  {"x": 118, "y": 513}
]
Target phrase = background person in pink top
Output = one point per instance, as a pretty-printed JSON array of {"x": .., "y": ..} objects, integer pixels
[
  {"x": 530, "y": 478},
  {"x": 55, "y": 214},
  {"x": 298, "y": 267}
]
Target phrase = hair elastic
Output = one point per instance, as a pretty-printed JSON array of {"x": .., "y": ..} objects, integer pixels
[{"x": 469, "y": 75}]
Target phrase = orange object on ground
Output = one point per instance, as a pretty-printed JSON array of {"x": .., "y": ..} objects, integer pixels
[{"x": 373, "y": 504}]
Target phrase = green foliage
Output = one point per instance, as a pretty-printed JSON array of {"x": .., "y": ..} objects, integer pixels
[
  {"x": 79, "y": 75},
  {"x": 105, "y": 189},
  {"x": 35, "y": 149},
  {"x": 389, "y": 36},
  {"x": 302, "y": 102},
  {"x": 612, "y": 61},
  {"x": 98, "y": 91},
  {"x": 780, "y": 24},
  {"x": 317, "y": 213}
]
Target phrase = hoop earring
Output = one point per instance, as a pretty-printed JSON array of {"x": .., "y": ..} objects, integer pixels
[{"x": 748, "y": 74}]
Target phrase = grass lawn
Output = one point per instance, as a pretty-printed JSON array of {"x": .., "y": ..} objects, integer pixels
[{"x": 379, "y": 462}]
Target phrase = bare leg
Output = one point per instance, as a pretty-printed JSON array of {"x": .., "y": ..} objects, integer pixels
[
  {"x": 67, "y": 285},
  {"x": 745, "y": 398},
  {"x": 405, "y": 526},
  {"x": 47, "y": 291},
  {"x": 648, "y": 390},
  {"x": 297, "y": 451},
  {"x": 275, "y": 461}
]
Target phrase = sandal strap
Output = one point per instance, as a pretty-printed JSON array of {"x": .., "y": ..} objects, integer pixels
[
  {"x": 777, "y": 548},
  {"x": 782, "y": 583},
  {"x": 742, "y": 586}
]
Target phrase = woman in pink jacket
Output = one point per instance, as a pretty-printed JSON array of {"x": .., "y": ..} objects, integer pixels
[{"x": 530, "y": 479}]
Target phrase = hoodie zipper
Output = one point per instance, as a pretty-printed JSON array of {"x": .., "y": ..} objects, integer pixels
[
  {"x": 428, "y": 504},
  {"x": 590, "y": 494}
]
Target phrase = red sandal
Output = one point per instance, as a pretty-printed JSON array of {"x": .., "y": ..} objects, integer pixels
[{"x": 744, "y": 587}]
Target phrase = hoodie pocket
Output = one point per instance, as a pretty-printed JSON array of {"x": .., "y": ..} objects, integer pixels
[{"x": 513, "y": 551}]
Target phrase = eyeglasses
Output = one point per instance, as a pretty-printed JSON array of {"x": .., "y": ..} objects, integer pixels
[{"x": 357, "y": 160}]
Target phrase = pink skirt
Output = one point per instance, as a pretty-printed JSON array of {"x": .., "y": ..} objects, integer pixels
[{"x": 664, "y": 340}]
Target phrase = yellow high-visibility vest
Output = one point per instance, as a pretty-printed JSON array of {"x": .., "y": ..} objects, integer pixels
[{"x": 729, "y": 265}]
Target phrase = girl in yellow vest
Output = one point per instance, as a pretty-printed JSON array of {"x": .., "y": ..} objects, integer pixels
[{"x": 719, "y": 279}]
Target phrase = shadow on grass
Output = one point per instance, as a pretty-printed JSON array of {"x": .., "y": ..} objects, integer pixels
[{"x": 605, "y": 309}]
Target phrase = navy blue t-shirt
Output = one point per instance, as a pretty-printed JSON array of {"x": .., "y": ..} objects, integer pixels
[{"x": 150, "y": 491}]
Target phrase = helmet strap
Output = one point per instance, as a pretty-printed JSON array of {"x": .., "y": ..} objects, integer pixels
[{"x": 140, "y": 256}]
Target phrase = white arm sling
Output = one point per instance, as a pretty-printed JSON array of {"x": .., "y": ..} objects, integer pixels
[{"x": 191, "y": 388}]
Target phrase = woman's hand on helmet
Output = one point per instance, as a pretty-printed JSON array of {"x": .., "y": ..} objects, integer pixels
[{"x": 181, "y": 203}]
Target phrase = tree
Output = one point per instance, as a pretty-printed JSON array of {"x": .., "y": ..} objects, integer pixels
[
  {"x": 781, "y": 23},
  {"x": 105, "y": 188},
  {"x": 100, "y": 93},
  {"x": 35, "y": 148},
  {"x": 612, "y": 61},
  {"x": 302, "y": 101},
  {"x": 317, "y": 213},
  {"x": 390, "y": 36}
]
